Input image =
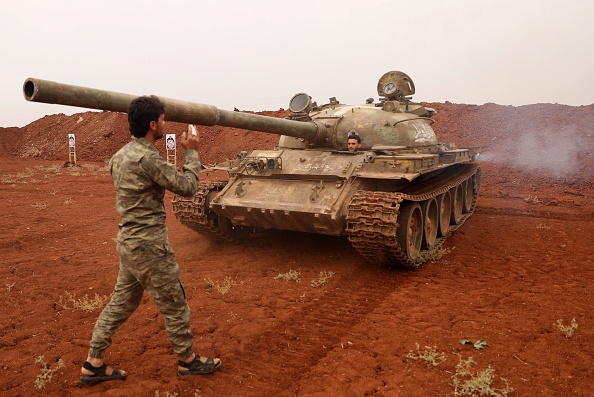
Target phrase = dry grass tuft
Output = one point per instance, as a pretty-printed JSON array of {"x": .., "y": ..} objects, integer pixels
[
  {"x": 166, "y": 394},
  {"x": 430, "y": 355},
  {"x": 197, "y": 393},
  {"x": 323, "y": 279},
  {"x": 225, "y": 286},
  {"x": 40, "y": 205},
  {"x": 46, "y": 373},
  {"x": 85, "y": 303},
  {"x": 568, "y": 330},
  {"x": 532, "y": 200},
  {"x": 291, "y": 275},
  {"x": 8, "y": 179},
  {"x": 436, "y": 255},
  {"x": 467, "y": 383},
  {"x": 52, "y": 168}
]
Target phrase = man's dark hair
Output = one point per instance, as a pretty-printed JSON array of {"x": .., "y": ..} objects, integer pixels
[
  {"x": 141, "y": 112},
  {"x": 353, "y": 135}
]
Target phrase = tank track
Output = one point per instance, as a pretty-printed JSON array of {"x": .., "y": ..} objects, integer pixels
[
  {"x": 193, "y": 213},
  {"x": 372, "y": 219}
]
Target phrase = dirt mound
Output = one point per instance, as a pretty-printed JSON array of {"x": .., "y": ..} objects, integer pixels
[
  {"x": 100, "y": 134},
  {"x": 542, "y": 142}
]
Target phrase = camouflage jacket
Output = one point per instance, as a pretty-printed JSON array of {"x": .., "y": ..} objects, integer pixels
[{"x": 141, "y": 176}]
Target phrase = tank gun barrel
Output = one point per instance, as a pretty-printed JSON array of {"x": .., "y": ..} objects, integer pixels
[{"x": 45, "y": 91}]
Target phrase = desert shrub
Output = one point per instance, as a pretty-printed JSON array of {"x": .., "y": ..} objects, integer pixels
[
  {"x": 46, "y": 372},
  {"x": 430, "y": 355},
  {"x": 468, "y": 383}
]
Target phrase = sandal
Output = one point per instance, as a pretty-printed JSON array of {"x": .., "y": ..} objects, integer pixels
[
  {"x": 99, "y": 374},
  {"x": 197, "y": 367}
]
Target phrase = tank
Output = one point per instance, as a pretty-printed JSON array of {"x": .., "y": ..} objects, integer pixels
[{"x": 397, "y": 198}]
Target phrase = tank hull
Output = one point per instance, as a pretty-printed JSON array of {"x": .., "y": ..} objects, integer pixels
[{"x": 358, "y": 195}]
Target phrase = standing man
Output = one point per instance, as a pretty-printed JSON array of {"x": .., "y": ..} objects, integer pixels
[
  {"x": 147, "y": 263},
  {"x": 353, "y": 141}
]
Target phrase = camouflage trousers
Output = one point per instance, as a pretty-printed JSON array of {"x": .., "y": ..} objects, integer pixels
[{"x": 154, "y": 269}]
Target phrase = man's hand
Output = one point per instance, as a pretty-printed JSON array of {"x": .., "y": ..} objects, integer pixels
[{"x": 190, "y": 138}]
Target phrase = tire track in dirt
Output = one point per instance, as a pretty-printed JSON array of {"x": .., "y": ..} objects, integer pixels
[
  {"x": 292, "y": 347},
  {"x": 516, "y": 212}
]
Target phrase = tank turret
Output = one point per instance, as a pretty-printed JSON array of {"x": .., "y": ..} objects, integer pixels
[
  {"x": 395, "y": 121},
  {"x": 397, "y": 198}
]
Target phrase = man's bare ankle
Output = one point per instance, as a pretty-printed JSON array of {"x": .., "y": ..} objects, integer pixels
[
  {"x": 95, "y": 362},
  {"x": 191, "y": 358}
]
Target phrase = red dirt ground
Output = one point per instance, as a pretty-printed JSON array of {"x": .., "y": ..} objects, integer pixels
[{"x": 522, "y": 262}]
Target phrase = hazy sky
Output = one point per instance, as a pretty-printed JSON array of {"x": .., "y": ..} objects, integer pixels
[{"x": 256, "y": 54}]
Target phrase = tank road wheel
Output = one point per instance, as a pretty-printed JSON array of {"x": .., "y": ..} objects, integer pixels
[
  {"x": 233, "y": 232},
  {"x": 444, "y": 202},
  {"x": 430, "y": 213},
  {"x": 468, "y": 194},
  {"x": 410, "y": 229},
  {"x": 225, "y": 227},
  {"x": 457, "y": 194}
]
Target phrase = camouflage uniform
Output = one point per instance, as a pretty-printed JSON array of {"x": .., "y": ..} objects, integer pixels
[{"x": 147, "y": 262}]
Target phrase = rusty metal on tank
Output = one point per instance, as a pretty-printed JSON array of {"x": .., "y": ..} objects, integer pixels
[{"x": 396, "y": 199}]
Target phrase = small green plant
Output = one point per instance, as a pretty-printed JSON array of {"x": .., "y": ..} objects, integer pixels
[
  {"x": 85, "y": 303},
  {"x": 225, "y": 286},
  {"x": 291, "y": 275},
  {"x": 46, "y": 373},
  {"x": 467, "y": 383},
  {"x": 323, "y": 279},
  {"x": 568, "y": 330},
  {"x": 430, "y": 355}
]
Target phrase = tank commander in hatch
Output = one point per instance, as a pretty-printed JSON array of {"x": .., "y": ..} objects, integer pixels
[
  {"x": 353, "y": 141},
  {"x": 147, "y": 262}
]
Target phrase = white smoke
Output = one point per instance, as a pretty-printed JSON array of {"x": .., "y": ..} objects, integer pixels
[{"x": 555, "y": 153}]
